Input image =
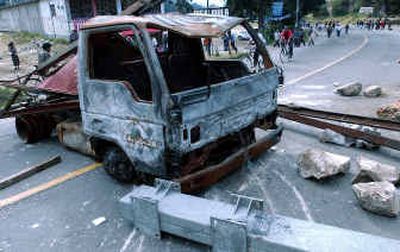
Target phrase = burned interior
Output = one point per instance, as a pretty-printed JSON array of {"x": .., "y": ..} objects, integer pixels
[{"x": 116, "y": 56}]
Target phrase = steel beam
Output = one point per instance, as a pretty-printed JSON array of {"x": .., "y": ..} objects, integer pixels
[{"x": 240, "y": 226}]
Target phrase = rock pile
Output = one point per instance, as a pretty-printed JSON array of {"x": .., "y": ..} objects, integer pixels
[{"x": 390, "y": 112}]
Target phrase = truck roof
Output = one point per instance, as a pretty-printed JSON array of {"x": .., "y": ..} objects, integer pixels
[{"x": 191, "y": 25}]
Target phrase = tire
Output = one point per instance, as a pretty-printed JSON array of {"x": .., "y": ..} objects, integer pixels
[
  {"x": 33, "y": 128},
  {"x": 118, "y": 165}
]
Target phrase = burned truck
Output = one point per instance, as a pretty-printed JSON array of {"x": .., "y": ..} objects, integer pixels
[{"x": 153, "y": 102}]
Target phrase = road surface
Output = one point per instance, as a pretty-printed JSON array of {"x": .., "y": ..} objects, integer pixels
[{"x": 60, "y": 218}]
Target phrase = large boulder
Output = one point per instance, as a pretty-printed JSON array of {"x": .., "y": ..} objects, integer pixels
[
  {"x": 351, "y": 89},
  {"x": 378, "y": 197},
  {"x": 373, "y": 171},
  {"x": 390, "y": 112},
  {"x": 320, "y": 164},
  {"x": 373, "y": 91}
]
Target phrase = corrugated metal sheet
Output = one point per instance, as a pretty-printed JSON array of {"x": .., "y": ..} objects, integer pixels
[
  {"x": 65, "y": 81},
  {"x": 189, "y": 25}
]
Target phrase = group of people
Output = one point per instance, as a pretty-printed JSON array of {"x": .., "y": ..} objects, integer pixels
[
  {"x": 287, "y": 39},
  {"x": 374, "y": 24},
  {"x": 43, "y": 48},
  {"x": 43, "y": 55},
  {"x": 335, "y": 26}
]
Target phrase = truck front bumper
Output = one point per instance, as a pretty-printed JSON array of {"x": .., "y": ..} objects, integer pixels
[{"x": 201, "y": 179}]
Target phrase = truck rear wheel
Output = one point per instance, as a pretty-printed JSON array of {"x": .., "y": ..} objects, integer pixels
[
  {"x": 118, "y": 165},
  {"x": 33, "y": 128}
]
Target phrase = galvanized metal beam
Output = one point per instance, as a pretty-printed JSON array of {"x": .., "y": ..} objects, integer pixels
[{"x": 241, "y": 226}]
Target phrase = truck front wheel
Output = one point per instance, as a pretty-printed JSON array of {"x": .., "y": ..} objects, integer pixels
[{"x": 118, "y": 165}]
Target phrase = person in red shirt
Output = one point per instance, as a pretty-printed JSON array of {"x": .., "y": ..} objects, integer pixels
[{"x": 287, "y": 38}]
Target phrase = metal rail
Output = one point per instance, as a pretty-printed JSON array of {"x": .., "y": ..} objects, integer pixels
[
  {"x": 339, "y": 117},
  {"x": 375, "y": 139},
  {"x": 238, "y": 227}
]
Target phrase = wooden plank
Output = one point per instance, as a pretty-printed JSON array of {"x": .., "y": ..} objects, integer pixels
[{"x": 15, "y": 178}]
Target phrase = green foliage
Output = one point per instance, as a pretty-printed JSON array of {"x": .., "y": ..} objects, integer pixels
[{"x": 183, "y": 6}]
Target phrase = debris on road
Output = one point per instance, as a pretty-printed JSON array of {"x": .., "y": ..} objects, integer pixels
[
  {"x": 15, "y": 178},
  {"x": 241, "y": 226},
  {"x": 346, "y": 131},
  {"x": 378, "y": 197},
  {"x": 338, "y": 117},
  {"x": 351, "y": 89},
  {"x": 99, "y": 221},
  {"x": 390, "y": 112},
  {"x": 373, "y": 171},
  {"x": 330, "y": 136},
  {"x": 373, "y": 91},
  {"x": 362, "y": 143},
  {"x": 321, "y": 164}
]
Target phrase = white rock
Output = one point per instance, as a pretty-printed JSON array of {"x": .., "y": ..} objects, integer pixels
[
  {"x": 351, "y": 89},
  {"x": 373, "y": 171},
  {"x": 320, "y": 164},
  {"x": 99, "y": 221},
  {"x": 330, "y": 136},
  {"x": 378, "y": 197},
  {"x": 373, "y": 91}
]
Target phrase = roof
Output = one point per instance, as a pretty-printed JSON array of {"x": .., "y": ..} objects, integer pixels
[{"x": 189, "y": 25}]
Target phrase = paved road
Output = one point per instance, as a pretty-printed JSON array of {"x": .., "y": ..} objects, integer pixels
[{"x": 60, "y": 218}]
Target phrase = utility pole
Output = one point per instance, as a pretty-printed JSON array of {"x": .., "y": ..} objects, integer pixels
[
  {"x": 208, "y": 6},
  {"x": 297, "y": 13}
]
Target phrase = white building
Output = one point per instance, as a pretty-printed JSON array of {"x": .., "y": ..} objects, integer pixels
[{"x": 56, "y": 18}]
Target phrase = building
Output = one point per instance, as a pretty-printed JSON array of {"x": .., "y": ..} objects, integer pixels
[{"x": 57, "y": 18}]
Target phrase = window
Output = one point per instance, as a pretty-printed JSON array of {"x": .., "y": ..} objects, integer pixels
[
  {"x": 115, "y": 56},
  {"x": 192, "y": 62}
]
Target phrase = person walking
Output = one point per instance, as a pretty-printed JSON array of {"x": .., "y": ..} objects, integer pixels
[
  {"x": 311, "y": 37},
  {"x": 329, "y": 30},
  {"x": 287, "y": 36},
  {"x": 232, "y": 41},
  {"x": 14, "y": 55},
  {"x": 338, "y": 29},
  {"x": 207, "y": 45},
  {"x": 347, "y": 27}
]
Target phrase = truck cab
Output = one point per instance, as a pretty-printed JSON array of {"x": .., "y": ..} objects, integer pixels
[{"x": 156, "y": 100}]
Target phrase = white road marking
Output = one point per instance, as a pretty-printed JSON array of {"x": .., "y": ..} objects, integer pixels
[
  {"x": 265, "y": 195},
  {"x": 331, "y": 64},
  {"x": 303, "y": 203},
  {"x": 128, "y": 241}
]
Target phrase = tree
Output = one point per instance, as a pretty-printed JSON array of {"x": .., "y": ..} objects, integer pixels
[
  {"x": 183, "y": 6},
  {"x": 250, "y": 9}
]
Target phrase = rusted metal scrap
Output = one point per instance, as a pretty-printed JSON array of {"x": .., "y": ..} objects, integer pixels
[
  {"x": 372, "y": 138},
  {"x": 208, "y": 176},
  {"x": 340, "y": 117},
  {"x": 15, "y": 178}
]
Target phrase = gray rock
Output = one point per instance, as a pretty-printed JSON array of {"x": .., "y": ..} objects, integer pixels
[
  {"x": 373, "y": 91},
  {"x": 320, "y": 164},
  {"x": 330, "y": 136},
  {"x": 363, "y": 144},
  {"x": 378, "y": 197},
  {"x": 351, "y": 89},
  {"x": 373, "y": 171}
]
